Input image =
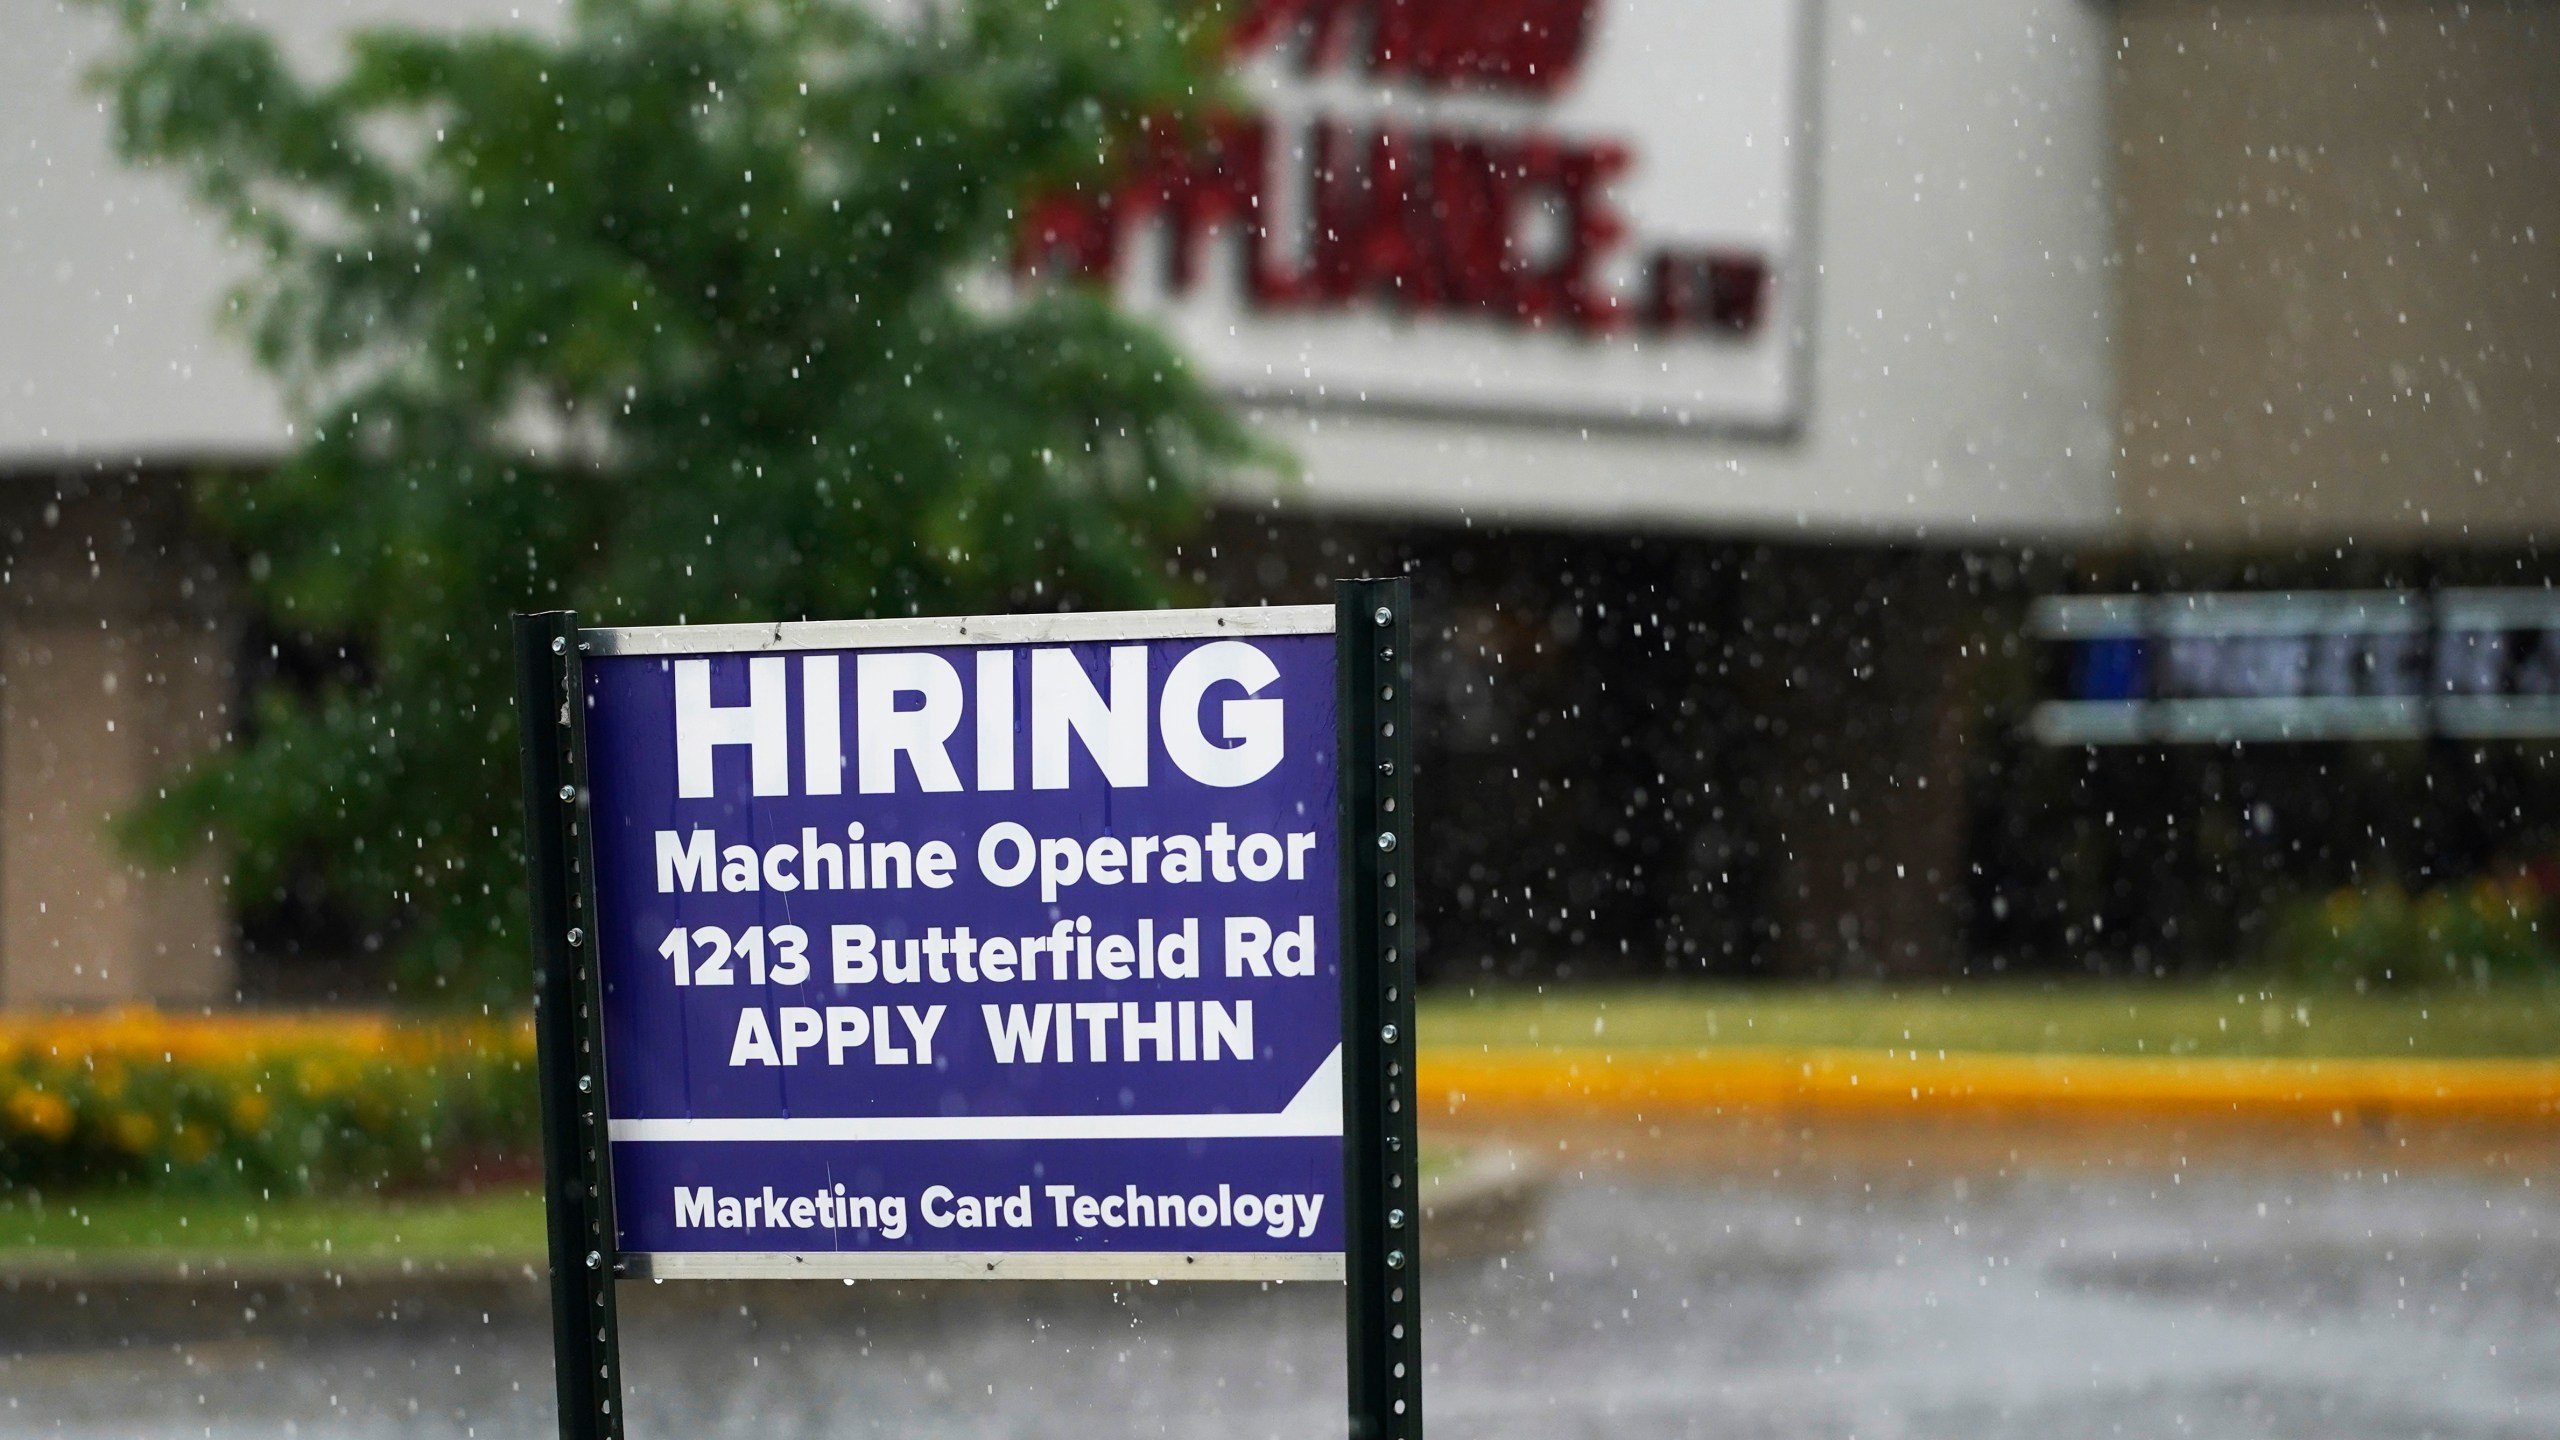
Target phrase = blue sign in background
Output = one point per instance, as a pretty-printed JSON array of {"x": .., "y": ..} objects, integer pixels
[{"x": 704, "y": 1108}]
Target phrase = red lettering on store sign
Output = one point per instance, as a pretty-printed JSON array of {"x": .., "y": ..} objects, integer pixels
[
  {"x": 1525, "y": 45},
  {"x": 1427, "y": 221},
  {"x": 1431, "y": 223},
  {"x": 1714, "y": 289}
]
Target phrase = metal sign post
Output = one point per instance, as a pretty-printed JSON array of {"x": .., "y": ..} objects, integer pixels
[
  {"x": 1045, "y": 947},
  {"x": 578, "y": 1181},
  {"x": 1380, "y": 1177}
]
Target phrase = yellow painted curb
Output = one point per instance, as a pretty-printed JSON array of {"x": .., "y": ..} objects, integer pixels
[{"x": 1489, "y": 1084}]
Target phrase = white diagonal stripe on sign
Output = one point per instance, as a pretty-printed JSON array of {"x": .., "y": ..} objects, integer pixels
[{"x": 1316, "y": 1110}]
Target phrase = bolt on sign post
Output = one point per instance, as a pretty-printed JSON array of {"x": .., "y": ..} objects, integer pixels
[{"x": 1066, "y": 947}]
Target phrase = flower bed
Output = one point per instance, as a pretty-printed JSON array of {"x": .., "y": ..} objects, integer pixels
[
  {"x": 2478, "y": 933},
  {"x": 284, "y": 1103}
]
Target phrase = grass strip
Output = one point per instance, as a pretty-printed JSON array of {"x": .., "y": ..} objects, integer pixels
[{"x": 499, "y": 1227}]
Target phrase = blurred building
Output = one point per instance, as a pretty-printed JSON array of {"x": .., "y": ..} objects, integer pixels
[{"x": 1729, "y": 374}]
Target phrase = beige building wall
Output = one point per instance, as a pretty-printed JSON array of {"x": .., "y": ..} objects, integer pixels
[
  {"x": 2340, "y": 237},
  {"x": 115, "y": 665}
]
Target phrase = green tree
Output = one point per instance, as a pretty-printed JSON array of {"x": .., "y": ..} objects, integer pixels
[{"x": 677, "y": 313}]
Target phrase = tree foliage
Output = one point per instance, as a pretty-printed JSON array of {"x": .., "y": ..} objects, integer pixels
[{"x": 681, "y": 311}]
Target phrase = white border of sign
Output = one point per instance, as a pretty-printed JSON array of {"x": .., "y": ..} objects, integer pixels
[
  {"x": 959, "y": 630},
  {"x": 993, "y": 1265}
]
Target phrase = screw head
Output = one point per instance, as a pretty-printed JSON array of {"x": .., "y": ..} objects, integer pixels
[
  {"x": 1395, "y": 1219},
  {"x": 577, "y": 936},
  {"x": 586, "y": 1083},
  {"x": 595, "y": 1259},
  {"x": 1386, "y": 841},
  {"x": 559, "y": 645},
  {"x": 1395, "y": 1259},
  {"x": 1387, "y": 1033},
  {"x": 1385, "y": 616},
  {"x": 568, "y": 792}
]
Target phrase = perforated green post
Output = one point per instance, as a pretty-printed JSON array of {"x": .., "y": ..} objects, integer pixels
[
  {"x": 568, "y": 996},
  {"x": 1381, "y": 1185}
]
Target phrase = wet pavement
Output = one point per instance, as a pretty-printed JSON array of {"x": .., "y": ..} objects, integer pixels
[{"x": 1882, "y": 1306}]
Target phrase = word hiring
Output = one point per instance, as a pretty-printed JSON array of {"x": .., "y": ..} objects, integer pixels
[{"x": 909, "y": 704}]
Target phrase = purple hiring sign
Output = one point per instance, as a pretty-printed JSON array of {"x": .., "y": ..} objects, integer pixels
[{"x": 1000, "y": 946}]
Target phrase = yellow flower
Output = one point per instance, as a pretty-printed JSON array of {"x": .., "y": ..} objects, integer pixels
[
  {"x": 249, "y": 1112},
  {"x": 36, "y": 1113},
  {"x": 190, "y": 1143},
  {"x": 134, "y": 1131},
  {"x": 317, "y": 1078}
]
